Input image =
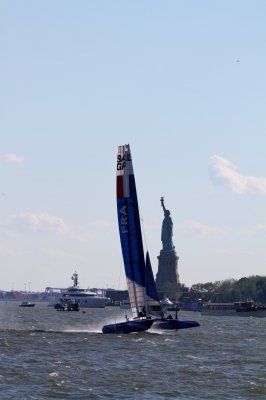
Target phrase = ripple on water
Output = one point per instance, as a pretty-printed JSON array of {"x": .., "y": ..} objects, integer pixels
[{"x": 63, "y": 356}]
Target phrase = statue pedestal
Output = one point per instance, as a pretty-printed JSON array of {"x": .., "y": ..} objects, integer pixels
[{"x": 167, "y": 277}]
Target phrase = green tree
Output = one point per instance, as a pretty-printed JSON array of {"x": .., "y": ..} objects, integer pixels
[{"x": 230, "y": 290}]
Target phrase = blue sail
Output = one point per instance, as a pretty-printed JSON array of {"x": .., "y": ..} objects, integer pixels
[
  {"x": 151, "y": 288},
  {"x": 130, "y": 232}
]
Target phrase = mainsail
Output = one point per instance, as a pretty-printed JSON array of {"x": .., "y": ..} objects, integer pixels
[{"x": 130, "y": 232}]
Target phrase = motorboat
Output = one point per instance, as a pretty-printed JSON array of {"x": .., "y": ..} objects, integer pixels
[
  {"x": 85, "y": 298},
  {"x": 27, "y": 304},
  {"x": 125, "y": 305},
  {"x": 168, "y": 305},
  {"x": 68, "y": 305}
]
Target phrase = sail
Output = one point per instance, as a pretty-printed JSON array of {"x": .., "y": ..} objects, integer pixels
[
  {"x": 153, "y": 302},
  {"x": 130, "y": 232}
]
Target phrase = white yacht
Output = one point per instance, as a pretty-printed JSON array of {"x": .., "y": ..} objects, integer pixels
[{"x": 84, "y": 297}]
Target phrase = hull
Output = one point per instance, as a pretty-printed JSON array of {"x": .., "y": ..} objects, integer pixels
[
  {"x": 94, "y": 304},
  {"x": 83, "y": 303},
  {"x": 174, "y": 324},
  {"x": 128, "y": 327},
  {"x": 70, "y": 306},
  {"x": 66, "y": 309},
  {"x": 88, "y": 302},
  {"x": 30, "y": 305}
]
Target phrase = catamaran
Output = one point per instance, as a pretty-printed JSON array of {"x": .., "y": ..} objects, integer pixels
[{"x": 145, "y": 305}]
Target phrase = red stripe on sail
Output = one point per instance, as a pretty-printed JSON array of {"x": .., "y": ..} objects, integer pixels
[{"x": 119, "y": 186}]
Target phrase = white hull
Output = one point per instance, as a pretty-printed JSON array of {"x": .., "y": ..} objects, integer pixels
[
  {"x": 83, "y": 302},
  {"x": 88, "y": 302}
]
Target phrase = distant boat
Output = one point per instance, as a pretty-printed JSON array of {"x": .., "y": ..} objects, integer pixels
[
  {"x": 27, "y": 304},
  {"x": 168, "y": 305},
  {"x": 145, "y": 305},
  {"x": 237, "y": 309},
  {"x": 68, "y": 305},
  {"x": 125, "y": 305},
  {"x": 83, "y": 297}
]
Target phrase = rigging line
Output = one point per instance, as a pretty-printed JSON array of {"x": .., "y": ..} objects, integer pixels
[{"x": 144, "y": 233}]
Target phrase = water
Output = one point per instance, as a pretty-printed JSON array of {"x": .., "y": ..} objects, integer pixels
[{"x": 46, "y": 354}]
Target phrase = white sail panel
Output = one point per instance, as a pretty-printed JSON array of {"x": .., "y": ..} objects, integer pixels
[{"x": 137, "y": 298}]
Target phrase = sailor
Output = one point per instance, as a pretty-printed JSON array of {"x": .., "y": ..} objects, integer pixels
[{"x": 142, "y": 313}]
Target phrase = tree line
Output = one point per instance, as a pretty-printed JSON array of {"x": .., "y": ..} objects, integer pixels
[{"x": 230, "y": 290}]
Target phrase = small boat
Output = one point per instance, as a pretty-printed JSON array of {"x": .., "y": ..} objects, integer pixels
[
  {"x": 146, "y": 309},
  {"x": 67, "y": 305},
  {"x": 168, "y": 305},
  {"x": 125, "y": 305},
  {"x": 27, "y": 304}
]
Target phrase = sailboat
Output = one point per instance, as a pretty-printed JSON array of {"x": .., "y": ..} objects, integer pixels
[
  {"x": 145, "y": 305},
  {"x": 132, "y": 246}
]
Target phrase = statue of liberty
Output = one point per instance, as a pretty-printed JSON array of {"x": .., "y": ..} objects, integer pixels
[{"x": 167, "y": 229}]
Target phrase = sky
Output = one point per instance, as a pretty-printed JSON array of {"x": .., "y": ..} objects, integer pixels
[{"x": 184, "y": 83}]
